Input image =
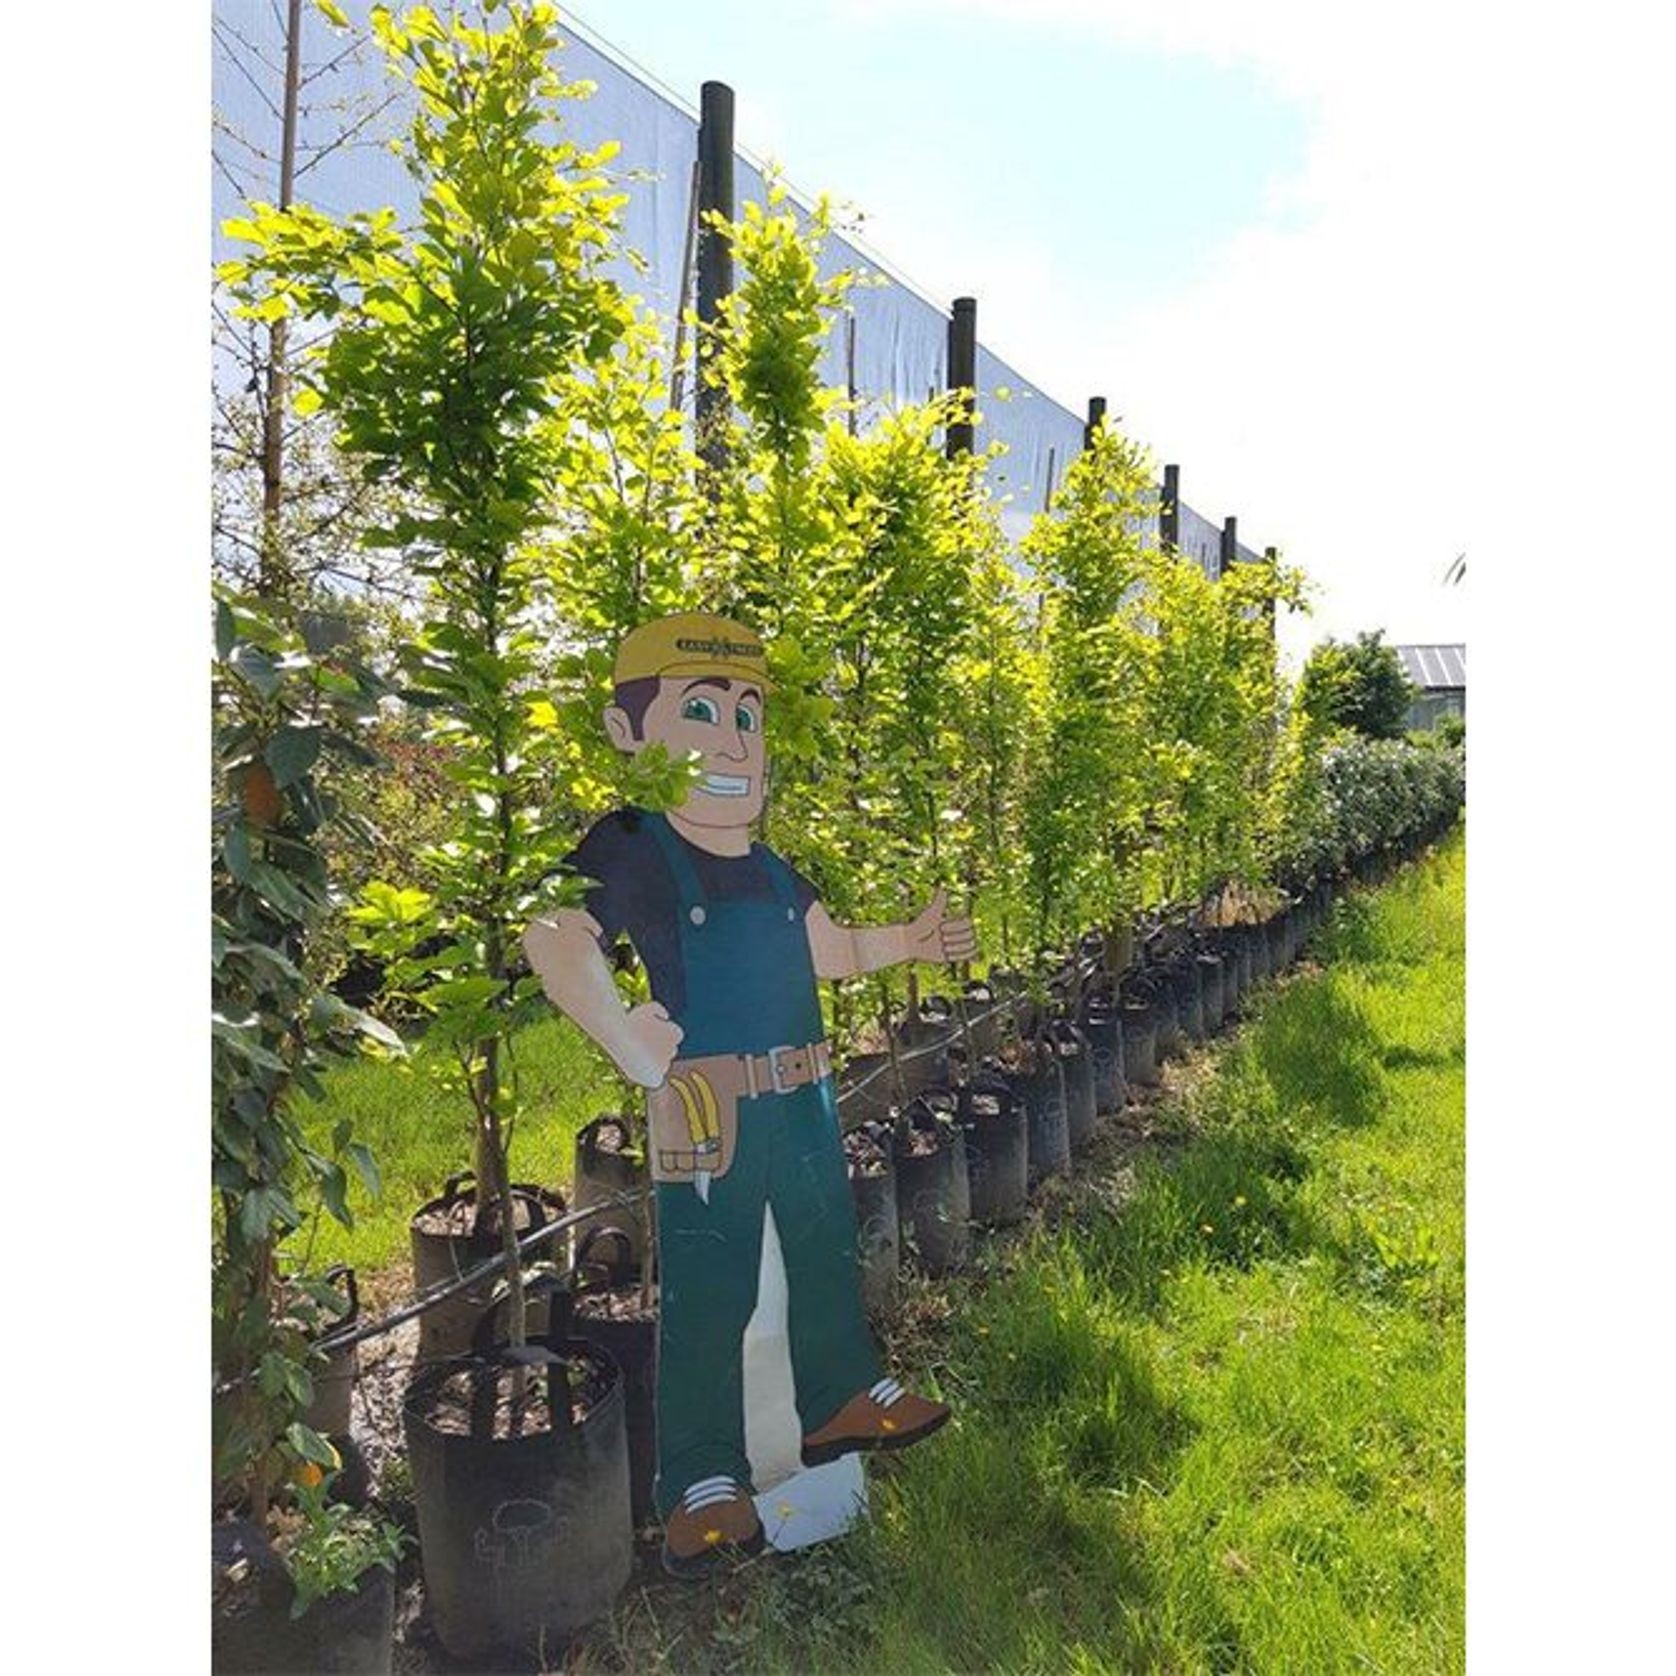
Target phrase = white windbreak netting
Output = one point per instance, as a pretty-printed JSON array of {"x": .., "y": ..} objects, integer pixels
[{"x": 900, "y": 336}]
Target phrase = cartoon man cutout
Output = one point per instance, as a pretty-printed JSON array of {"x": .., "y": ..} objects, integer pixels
[{"x": 742, "y": 1114}]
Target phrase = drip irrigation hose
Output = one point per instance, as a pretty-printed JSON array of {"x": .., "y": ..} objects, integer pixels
[{"x": 440, "y": 1293}]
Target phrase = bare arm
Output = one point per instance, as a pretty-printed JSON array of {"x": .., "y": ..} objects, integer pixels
[
  {"x": 847, "y": 951},
  {"x": 565, "y": 954}
]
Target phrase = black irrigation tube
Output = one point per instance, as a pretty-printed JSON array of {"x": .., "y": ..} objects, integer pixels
[{"x": 415, "y": 1307}]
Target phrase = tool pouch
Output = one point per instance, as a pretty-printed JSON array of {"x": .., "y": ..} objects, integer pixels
[{"x": 694, "y": 1117}]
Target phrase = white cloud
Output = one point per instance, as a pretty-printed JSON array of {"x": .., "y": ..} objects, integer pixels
[{"x": 1355, "y": 378}]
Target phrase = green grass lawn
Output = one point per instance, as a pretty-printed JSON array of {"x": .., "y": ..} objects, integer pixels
[
  {"x": 420, "y": 1132},
  {"x": 1212, "y": 1419}
]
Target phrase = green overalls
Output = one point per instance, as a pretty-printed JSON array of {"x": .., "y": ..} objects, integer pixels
[{"x": 750, "y": 986}]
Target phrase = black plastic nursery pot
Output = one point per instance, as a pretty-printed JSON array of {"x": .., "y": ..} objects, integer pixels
[
  {"x": 997, "y": 1133},
  {"x": 1101, "y": 1019},
  {"x": 525, "y": 1533},
  {"x": 447, "y": 1242},
  {"x": 1323, "y": 894},
  {"x": 872, "y": 1165},
  {"x": 933, "y": 1190},
  {"x": 1243, "y": 959},
  {"x": 1081, "y": 1114},
  {"x": 1151, "y": 988},
  {"x": 1140, "y": 1043},
  {"x": 1211, "y": 991},
  {"x": 350, "y": 1633},
  {"x": 866, "y": 1088},
  {"x": 1184, "y": 988},
  {"x": 1227, "y": 947},
  {"x": 922, "y": 1049},
  {"x": 1286, "y": 919},
  {"x": 608, "y": 1163},
  {"x": 328, "y": 1413},
  {"x": 615, "y": 1317},
  {"x": 983, "y": 1016},
  {"x": 1032, "y": 1069},
  {"x": 1274, "y": 934}
]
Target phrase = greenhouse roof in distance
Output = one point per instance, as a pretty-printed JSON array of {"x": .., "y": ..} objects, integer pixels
[{"x": 1434, "y": 667}]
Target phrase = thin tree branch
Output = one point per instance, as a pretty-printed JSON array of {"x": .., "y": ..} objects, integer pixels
[
  {"x": 347, "y": 136},
  {"x": 244, "y": 70}
]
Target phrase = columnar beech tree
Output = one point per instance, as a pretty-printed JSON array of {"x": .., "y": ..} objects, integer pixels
[
  {"x": 451, "y": 342},
  {"x": 1085, "y": 803},
  {"x": 622, "y": 549},
  {"x": 999, "y": 682},
  {"x": 1209, "y": 714}
]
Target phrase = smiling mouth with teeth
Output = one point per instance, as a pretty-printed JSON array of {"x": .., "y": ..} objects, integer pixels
[{"x": 725, "y": 785}]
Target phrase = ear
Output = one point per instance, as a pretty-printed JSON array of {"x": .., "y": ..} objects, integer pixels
[{"x": 619, "y": 729}]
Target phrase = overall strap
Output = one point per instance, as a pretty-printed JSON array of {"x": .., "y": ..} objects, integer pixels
[
  {"x": 779, "y": 875},
  {"x": 680, "y": 864}
]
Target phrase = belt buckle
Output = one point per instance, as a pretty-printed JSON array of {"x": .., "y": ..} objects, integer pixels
[{"x": 778, "y": 1076}]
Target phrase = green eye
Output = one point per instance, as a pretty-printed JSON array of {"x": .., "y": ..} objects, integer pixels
[
  {"x": 745, "y": 719},
  {"x": 697, "y": 709}
]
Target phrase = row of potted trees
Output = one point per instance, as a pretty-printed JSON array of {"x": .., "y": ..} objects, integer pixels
[{"x": 505, "y": 395}]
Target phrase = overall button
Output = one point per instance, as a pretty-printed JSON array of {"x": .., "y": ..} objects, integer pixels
[{"x": 697, "y": 913}]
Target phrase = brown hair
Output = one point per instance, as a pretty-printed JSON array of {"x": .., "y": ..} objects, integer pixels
[{"x": 633, "y": 698}]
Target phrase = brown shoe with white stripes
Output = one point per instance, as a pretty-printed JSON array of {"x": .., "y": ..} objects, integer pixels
[
  {"x": 884, "y": 1416},
  {"x": 712, "y": 1516}
]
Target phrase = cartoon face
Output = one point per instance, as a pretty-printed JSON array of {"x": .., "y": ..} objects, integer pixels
[{"x": 720, "y": 720}]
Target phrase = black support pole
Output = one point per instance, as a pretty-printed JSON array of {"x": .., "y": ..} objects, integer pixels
[
  {"x": 1271, "y": 558},
  {"x": 1169, "y": 510},
  {"x": 963, "y": 367},
  {"x": 1230, "y": 553},
  {"x": 1096, "y": 412},
  {"x": 715, "y": 264}
]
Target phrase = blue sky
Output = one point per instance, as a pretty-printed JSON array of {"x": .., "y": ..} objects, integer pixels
[
  {"x": 1141, "y": 162},
  {"x": 1268, "y": 235}
]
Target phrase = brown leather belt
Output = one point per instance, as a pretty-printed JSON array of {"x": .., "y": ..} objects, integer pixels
[{"x": 778, "y": 1071}]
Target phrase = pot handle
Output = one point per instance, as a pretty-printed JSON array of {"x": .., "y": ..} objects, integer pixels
[
  {"x": 484, "y": 1335},
  {"x": 451, "y": 1187},
  {"x": 343, "y": 1272},
  {"x": 921, "y": 1114},
  {"x": 538, "y": 1212},
  {"x": 531, "y": 1196},
  {"x": 614, "y": 1120},
  {"x": 615, "y": 1272}
]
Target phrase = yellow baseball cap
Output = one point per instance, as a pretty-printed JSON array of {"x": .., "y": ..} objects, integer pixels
[{"x": 692, "y": 643}]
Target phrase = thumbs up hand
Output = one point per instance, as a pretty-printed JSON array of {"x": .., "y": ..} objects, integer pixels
[{"x": 937, "y": 937}]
